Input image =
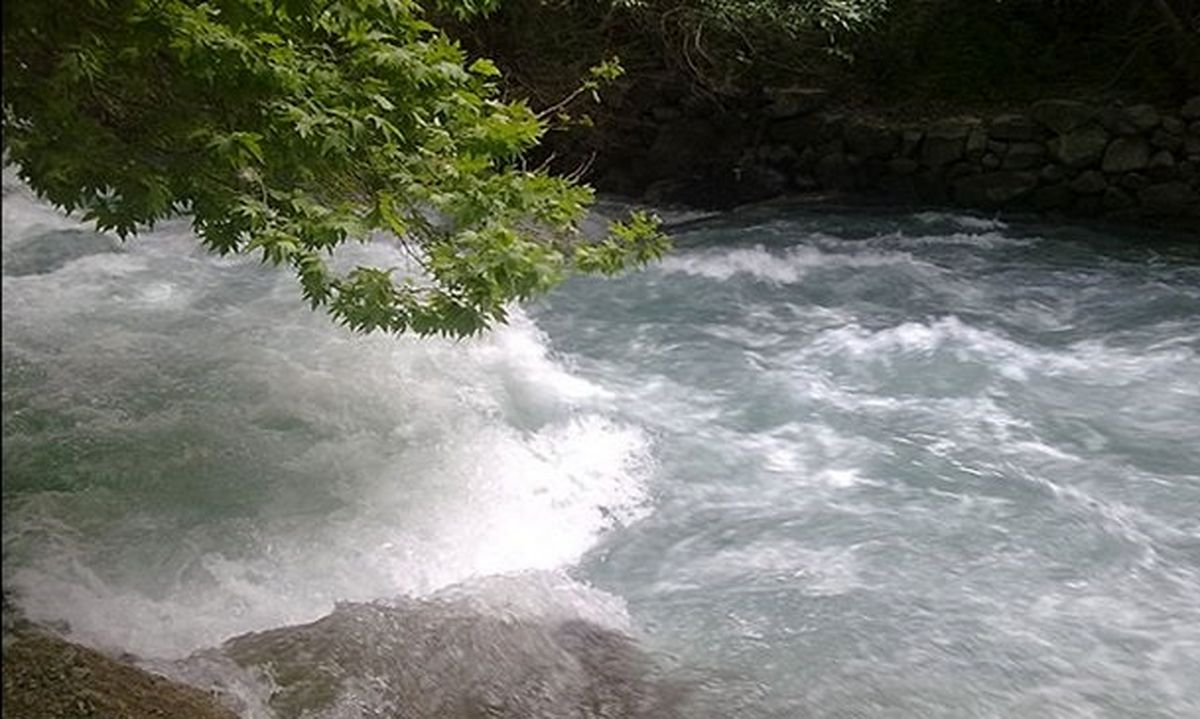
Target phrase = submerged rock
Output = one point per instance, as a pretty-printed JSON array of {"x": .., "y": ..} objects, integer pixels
[
  {"x": 517, "y": 647},
  {"x": 53, "y": 250},
  {"x": 418, "y": 660}
]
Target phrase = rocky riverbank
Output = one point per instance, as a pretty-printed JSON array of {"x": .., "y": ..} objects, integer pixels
[
  {"x": 447, "y": 658},
  {"x": 1134, "y": 163},
  {"x": 46, "y": 677}
]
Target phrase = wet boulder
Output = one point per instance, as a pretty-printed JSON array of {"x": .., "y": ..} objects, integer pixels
[
  {"x": 1080, "y": 148},
  {"x": 1062, "y": 116},
  {"x": 1126, "y": 154}
]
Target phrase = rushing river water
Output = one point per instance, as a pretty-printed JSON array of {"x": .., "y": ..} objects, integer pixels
[{"x": 855, "y": 464}]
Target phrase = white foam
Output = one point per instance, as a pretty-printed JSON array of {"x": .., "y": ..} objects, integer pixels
[
  {"x": 982, "y": 240},
  {"x": 788, "y": 266},
  {"x": 320, "y": 465},
  {"x": 1091, "y": 360},
  {"x": 971, "y": 222}
]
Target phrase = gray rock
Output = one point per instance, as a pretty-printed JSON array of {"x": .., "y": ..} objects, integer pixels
[
  {"x": 1166, "y": 140},
  {"x": 830, "y": 147},
  {"x": 951, "y": 129},
  {"x": 1062, "y": 116},
  {"x": 1090, "y": 182},
  {"x": 944, "y": 143},
  {"x": 997, "y": 147},
  {"x": 777, "y": 154},
  {"x": 1174, "y": 125},
  {"x": 1013, "y": 127},
  {"x": 993, "y": 189},
  {"x": 870, "y": 140},
  {"x": 793, "y": 101},
  {"x": 804, "y": 182},
  {"x": 1194, "y": 128},
  {"x": 961, "y": 169},
  {"x": 1087, "y": 205},
  {"x": 903, "y": 166},
  {"x": 1117, "y": 120},
  {"x": 1162, "y": 174},
  {"x": 833, "y": 170},
  {"x": 1144, "y": 117},
  {"x": 760, "y": 183},
  {"x": 682, "y": 144},
  {"x": 909, "y": 141},
  {"x": 1191, "y": 109},
  {"x": 929, "y": 186},
  {"x": 831, "y": 124},
  {"x": 1191, "y": 145},
  {"x": 426, "y": 660},
  {"x": 936, "y": 152},
  {"x": 899, "y": 188},
  {"x": 1116, "y": 199},
  {"x": 1053, "y": 173},
  {"x": 1052, "y": 197},
  {"x": 807, "y": 159},
  {"x": 976, "y": 143},
  {"x": 1133, "y": 182},
  {"x": 666, "y": 191},
  {"x": 990, "y": 161},
  {"x": 1169, "y": 198},
  {"x": 1127, "y": 216},
  {"x": 807, "y": 129},
  {"x": 1024, "y": 155},
  {"x": 1126, "y": 154},
  {"x": 1161, "y": 159},
  {"x": 1080, "y": 148},
  {"x": 872, "y": 172}
]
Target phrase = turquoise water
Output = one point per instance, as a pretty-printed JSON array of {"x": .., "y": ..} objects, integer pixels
[{"x": 858, "y": 464}]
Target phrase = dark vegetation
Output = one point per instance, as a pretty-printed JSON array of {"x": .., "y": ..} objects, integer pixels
[
  {"x": 963, "y": 50},
  {"x": 906, "y": 57}
]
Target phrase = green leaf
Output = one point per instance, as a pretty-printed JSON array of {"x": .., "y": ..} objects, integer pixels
[
  {"x": 485, "y": 68},
  {"x": 286, "y": 129}
]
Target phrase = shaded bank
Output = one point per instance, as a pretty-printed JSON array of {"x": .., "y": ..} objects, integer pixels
[
  {"x": 1067, "y": 109},
  {"x": 1133, "y": 164}
]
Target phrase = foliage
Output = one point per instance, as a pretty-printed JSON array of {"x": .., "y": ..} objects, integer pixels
[
  {"x": 289, "y": 127},
  {"x": 1024, "y": 49},
  {"x": 795, "y": 18},
  {"x": 720, "y": 45},
  {"x": 724, "y": 43}
]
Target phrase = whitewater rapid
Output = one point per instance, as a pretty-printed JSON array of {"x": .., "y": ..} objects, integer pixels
[
  {"x": 894, "y": 464},
  {"x": 189, "y": 454}
]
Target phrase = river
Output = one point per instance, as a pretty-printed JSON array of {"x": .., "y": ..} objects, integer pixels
[{"x": 864, "y": 463}]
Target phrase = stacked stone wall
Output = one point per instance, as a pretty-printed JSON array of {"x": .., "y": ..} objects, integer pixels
[{"x": 1137, "y": 163}]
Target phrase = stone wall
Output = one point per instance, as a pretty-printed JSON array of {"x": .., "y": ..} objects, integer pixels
[{"x": 1136, "y": 163}]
